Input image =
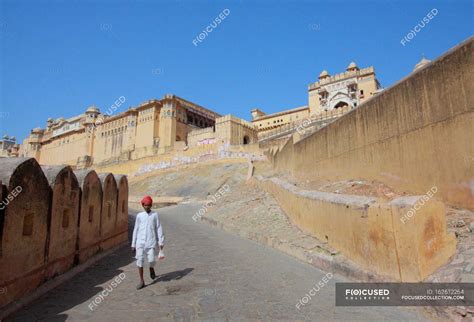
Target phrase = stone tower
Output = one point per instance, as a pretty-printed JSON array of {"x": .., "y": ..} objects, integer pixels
[
  {"x": 167, "y": 132},
  {"x": 92, "y": 121}
]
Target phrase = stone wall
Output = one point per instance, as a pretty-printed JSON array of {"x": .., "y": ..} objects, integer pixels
[
  {"x": 376, "y": 235},
  {"x": 201, "y": 136},
  {"x": 50, "y": 220},
  {"x": 90, "y": 214},
  {"x": 235, "y": 131},
  {"x": 122, "y": 209},
  {"x": 200, "y": 153},
  {"x": 413, "y": 136},
  {"x": 64, "y": 218},
  {"x": 25, "y": 213},
  {"x": 108, "y": 220}
]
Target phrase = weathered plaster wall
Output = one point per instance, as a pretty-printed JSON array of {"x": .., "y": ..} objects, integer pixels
[
  {"x": 372, "y": 234},
  {"x": 90, "y": 214},
  {"x": 413, "y": 136},
  {"x": 50, "y": 220},
  {"x": 25, "y": 228},
  {"x": 108, "y": 218},
  {"x": 63, "y": 228},
  {"x": 121, "y": 227},
  {"x": 65, "y": 150}
]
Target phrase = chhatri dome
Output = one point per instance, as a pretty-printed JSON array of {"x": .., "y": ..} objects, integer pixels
[
  {"x": 323, "y": 74},
  {"x": 92, "y": 109},
  {"x": 423, "y": 62},
  {"x": 352, "y": 66}
]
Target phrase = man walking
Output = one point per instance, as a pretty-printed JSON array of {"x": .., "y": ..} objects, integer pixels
[{"x": 147, "y": 234}]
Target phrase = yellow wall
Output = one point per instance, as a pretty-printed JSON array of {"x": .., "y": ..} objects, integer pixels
[
  {"x": 286, "y": 117},
  {"x": 369, "y": 233},
  {"x": 145, "y": 127},
  {"x": 64, "y": 150},
  {"x": 181, "y": 131},
  {"x": 232, "y": 130},
  {"x": 411, "y": 136},
  {"x": 199, "y": 136},
  {"x": 111, "y": 139}
]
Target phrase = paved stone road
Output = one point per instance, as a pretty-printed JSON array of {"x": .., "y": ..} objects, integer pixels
[{"x": 207, "y": 275}]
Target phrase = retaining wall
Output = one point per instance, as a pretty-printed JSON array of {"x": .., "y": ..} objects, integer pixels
[{"x": 378, "y": 236}]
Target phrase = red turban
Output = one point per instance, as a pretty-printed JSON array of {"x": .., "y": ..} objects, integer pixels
[{"x": 147, "y": 201}]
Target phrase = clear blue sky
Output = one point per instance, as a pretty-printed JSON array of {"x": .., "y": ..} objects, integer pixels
[{"x": 58, "y": 57}]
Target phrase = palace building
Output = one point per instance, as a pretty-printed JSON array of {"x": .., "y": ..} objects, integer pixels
[
  {"x": 154, "y": 127},
  {"x": 8, "y": 147},
  {"x": 350, "y": 88},
  {"x": 175, "y": 124},
  {"x": 265, "y": 122}
]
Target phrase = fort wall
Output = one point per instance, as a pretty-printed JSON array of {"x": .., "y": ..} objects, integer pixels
[{"x": 413, "y": 136}]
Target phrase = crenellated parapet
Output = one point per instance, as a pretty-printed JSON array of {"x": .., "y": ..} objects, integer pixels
[{"x": 59, "y": 217}]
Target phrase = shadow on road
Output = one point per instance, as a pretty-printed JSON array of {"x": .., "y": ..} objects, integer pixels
[{"x": 173, "y": 276}]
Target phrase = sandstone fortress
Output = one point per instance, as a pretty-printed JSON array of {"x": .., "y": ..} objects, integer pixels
[
  {"x": 413, "y": 137},
  {"x": 174, "y": 124},
  {"x": 154, "y": 127}
]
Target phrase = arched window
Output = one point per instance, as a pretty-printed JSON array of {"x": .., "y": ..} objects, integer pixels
[{"x": 340, "y": 104}]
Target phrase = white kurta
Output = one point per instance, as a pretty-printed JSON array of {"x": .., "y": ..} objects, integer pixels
[{"x": 148, "y": 231}]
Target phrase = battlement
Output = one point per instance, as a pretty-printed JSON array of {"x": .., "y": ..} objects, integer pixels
[
  {"x": 231, "y": 118},
  {"x": 342, "y": 76}
]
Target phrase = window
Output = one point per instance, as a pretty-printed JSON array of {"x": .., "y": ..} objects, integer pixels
[
  {"x": 91, "y": 213},
  {"x": 28, "y": 224},
  {"x": 65, "y": 223}
]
